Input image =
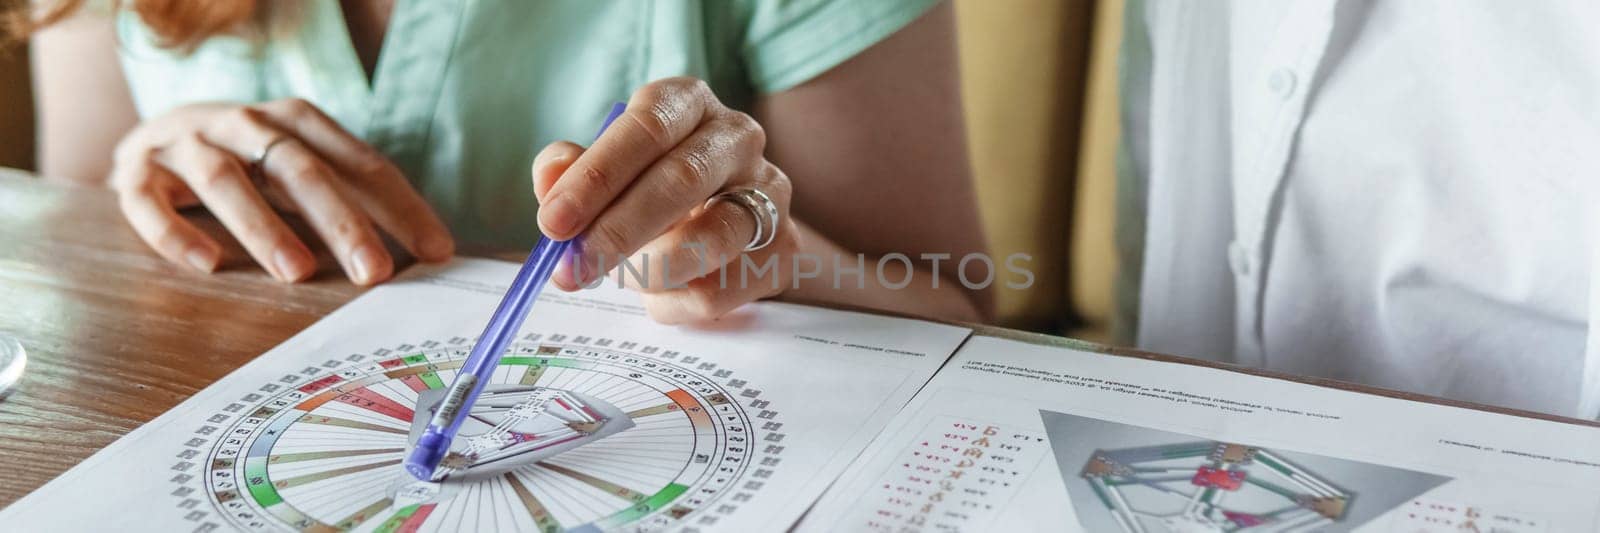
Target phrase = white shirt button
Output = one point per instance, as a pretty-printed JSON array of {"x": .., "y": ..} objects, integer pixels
[
  {"x": 1239, "y": 259},
  {"x": 1281, "y": 82}
]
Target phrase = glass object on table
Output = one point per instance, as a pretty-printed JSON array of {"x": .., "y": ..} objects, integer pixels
[{"x": 12, "y": 360}]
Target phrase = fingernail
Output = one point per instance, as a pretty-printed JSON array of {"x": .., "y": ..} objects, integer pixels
[
  {"x": 365, "y": 263},
  {"x": 589, "y": 275},
  {"x": 556, "y": 160},
  {"x": 288, "y": 268},
  {"x": 559, "y": 217},
  {"x": 581, "y": 276},
  {"x": 200, "y": 259},
  {"x": 563, "y": 279},
  {"x": 545, "y": 161},
  {"x": 584, "y": 271},
  {"x": 437, "y": 247}
]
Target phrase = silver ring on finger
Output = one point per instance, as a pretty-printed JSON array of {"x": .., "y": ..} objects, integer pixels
[
  {"x": 257, "y": 164},
  {"x": 761, "y": 208},
  {"x": 266, "y": 150}
]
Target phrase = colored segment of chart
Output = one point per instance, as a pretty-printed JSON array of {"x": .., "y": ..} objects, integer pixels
[{"x": 570, "y": 435}]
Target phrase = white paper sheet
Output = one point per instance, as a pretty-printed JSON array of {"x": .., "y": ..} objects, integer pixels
[
  {"x": 1015, "y": 437},
  {"x": 733, "y": 427}
]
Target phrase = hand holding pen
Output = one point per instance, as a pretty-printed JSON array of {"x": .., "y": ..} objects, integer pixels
[
  {"x": 680, "y": 180},
  {"x": 643, "y": 192},
  {"x": 456, "y": 406}
]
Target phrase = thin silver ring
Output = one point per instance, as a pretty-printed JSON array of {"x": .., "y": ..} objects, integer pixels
[
  {"x": 261, "y": 155},
  {"x": 257, "y": 169},
  {"x": 761, "y": 208}
]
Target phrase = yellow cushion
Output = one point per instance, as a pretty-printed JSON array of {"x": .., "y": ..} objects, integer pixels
[{"x": 1024, "y": 63}]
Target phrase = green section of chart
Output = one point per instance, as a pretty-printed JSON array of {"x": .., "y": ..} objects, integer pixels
[
  {"x": 652, "y": 504},
  {"x": 432, "y": 379},
  {"x": 542, "y": 361},
  {"x": 255, "y": 477}
]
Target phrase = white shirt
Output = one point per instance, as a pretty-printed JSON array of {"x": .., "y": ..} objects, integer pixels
[{"x": 1395, "y": 193}]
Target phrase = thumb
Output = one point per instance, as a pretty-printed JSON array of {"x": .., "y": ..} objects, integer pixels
[{"x": 550, "y": 164}]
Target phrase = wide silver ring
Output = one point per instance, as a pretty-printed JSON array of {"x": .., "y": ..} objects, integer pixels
[{"x": 761, "y": 208}]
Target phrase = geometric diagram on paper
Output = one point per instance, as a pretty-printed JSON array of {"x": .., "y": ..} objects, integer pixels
[
  {"x": 570, "y": 434},
  {"x": 510, "y": 426},
  {"x": 1146, "y": 480},
  {"x": 1434, "y": 516},
  {"x": 1224, "y": 487}
]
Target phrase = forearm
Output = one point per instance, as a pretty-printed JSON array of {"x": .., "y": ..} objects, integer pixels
[
  {"x": 825, "y": 272},
  {"x": 83, "y": 103},
  {"x": 876, "y": 150}
]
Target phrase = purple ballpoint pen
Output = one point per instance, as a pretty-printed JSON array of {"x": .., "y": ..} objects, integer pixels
[{"x": 485, "y": 356}]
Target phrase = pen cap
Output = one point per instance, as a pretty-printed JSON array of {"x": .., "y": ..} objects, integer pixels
[{"x": 424, "y": 459}]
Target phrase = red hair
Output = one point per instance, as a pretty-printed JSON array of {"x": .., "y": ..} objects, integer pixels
[{"x": 178, "y": 23}]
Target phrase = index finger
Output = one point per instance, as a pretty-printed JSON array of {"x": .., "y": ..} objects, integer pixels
[{"x": 659, "y": 116}]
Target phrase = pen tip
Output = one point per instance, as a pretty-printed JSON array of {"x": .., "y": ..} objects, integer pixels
[{"x": 424, "y": 458}]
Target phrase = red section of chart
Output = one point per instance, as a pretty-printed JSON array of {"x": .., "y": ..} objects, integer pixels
[
  {"x": 1217, "y": 478},
  {"x": 378, "y": 403},
  {"x": 1244, "y": 519},
  {"x": 415, "y": 522},
  {"x": 320, "y": 384},
  {"x": 415, "y": 383}
]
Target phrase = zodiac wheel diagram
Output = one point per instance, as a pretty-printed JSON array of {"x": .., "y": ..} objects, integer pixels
[{"x": 571, "y": 434}]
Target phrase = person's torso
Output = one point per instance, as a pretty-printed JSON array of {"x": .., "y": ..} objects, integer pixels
[
  {"x": 1402, "y": 198},
  {"x": 464, "y": 93}
]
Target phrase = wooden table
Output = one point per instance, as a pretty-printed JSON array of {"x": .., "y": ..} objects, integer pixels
[{"x": 115, "y": 336}]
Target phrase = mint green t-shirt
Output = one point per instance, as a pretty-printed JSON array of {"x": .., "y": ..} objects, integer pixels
[{"x": 465, "y": 93}]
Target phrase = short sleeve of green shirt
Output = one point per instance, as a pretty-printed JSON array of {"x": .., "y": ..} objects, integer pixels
[
  {"x": 465, "y": 92},
  {"x": 791, "y": 41}
]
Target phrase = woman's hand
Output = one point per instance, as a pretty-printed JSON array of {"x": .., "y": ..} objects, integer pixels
[
  {"x": 640, "y": 192},
  {"x": 203, "y": 154}
]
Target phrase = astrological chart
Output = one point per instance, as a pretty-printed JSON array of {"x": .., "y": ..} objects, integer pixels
[
  {"x": 571, "y": 434},
  {"x": 952, "y": 477},
  {"x": 596, "y": 419}
]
